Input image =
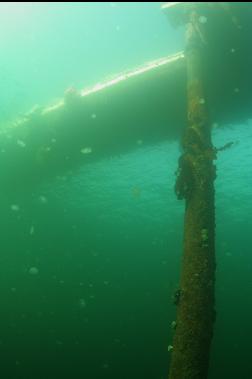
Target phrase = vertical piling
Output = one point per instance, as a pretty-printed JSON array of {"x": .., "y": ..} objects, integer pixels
[{"x": 195, "y": 184}]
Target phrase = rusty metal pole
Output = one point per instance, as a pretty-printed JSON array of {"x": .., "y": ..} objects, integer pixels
[{"x": 195, "y": 184}]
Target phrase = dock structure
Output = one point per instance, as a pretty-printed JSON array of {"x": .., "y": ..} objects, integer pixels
[{"x": 181, "y": 97}]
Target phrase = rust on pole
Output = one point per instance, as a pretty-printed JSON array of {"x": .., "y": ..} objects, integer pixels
[{"x": 195, "y": 184}]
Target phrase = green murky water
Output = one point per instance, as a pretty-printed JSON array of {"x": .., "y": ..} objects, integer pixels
[{"x": 90, "y": 258}]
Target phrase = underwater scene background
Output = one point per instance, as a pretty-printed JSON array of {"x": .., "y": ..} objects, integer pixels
[{"x": 90, "y": 259}]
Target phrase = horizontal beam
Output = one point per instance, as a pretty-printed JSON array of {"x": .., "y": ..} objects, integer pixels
[{"x": 140, "y": 106}]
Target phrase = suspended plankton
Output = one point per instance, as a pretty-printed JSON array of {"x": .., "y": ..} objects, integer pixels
[
  {"x": 82, "y": 303},
  {"x": 173, "y": 325},
  {"x": 228, "y": 254},
  {"x": 43, "y": 199},
  {"x": 31, "y": 230},
  {"x": 215, "y": 125},
  {"x": 203, "y": 19},
  {"x": 86, "y": 150},
  {"x": 21, "y": 143},
  {"x": 15, "y": 207},
  {"x": 33, "y": 271}
]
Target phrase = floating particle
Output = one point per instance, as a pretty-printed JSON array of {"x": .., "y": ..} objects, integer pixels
[
  {"x": 204, "y": 235},
  {"x": 21, "y": 143},
  {"x": 232, "y": 50},
  {"x": 170, "y": 348},
  {"x": 236, "y": 90},
  {"x": 31, "y": 230},
  {"x": 93, "y": 116},
  {"x": 117, "y": 340},
  {"x": 13, "y": 289},
  {"x": 105, "y": 366},
  {"x": 203, "y": 19},
  {"x": 33, "y": 271},
  {"x": 139, "y": 142},
  {"x": 173, "y": 325},
  {"x": 82, "y": 303},
  {"x": 215, "y": 125},
  {"x": 53, "y": 140},
  {"x": 136, "y": 192},
  {"x": 118, "y": 28},
  {"x": 3, "y": 151},
  {"x": 112, "y": 5},
  {"x": 43, "y": 199},
  {"x": 61, "y": 282},
  {"x": 202, "y": 101},
  {"x": 86, "y": 150},
  {"x": 15, "y": 207},
  {"x": 228, "y": 254},
  {"x": 106, "y": 282}
]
